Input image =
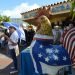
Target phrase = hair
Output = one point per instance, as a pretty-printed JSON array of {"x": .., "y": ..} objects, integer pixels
[
  {"x": 12, "y": 27},
  {"x": 46, "y": 28}
]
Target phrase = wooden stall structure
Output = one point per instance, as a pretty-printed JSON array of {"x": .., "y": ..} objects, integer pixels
[{"x": 55, "y": 12}]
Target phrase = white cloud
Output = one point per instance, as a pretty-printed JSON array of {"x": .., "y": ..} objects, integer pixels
[{"x": 15, "y": 13}]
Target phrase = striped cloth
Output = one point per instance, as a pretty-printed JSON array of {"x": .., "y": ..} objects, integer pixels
[{"x": 68, "y": 41}]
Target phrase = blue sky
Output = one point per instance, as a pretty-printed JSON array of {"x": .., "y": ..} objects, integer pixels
[{"x": 13, "y": 8}]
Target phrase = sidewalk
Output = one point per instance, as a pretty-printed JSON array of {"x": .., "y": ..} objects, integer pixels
[
  {"x": 4, "y": 61},
  {"x": 5, "y": 64}
]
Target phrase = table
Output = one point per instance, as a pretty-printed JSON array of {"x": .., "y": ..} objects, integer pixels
[{"x": 27, "y": 67}]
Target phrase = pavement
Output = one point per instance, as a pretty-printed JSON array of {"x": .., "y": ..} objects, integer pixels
[{"x": 5, "y": 63}]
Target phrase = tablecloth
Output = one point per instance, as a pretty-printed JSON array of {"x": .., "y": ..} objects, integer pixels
[{"x": 26, "y": 67}]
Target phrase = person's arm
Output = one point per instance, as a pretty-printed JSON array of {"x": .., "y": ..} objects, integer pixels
[
  {"x": 2, "y": 36},
  {"x": 8, "y": 39}
]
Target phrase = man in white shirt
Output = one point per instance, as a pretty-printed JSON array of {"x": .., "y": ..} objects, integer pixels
[{"x": 13, "y": 45}]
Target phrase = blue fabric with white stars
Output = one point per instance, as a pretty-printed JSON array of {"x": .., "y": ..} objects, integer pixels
[{"x": 53, "y": 55}]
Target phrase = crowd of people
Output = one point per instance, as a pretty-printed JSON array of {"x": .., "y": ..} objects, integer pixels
[
  {"x": 24, "y": 40},
  {"x": 11, "y": 42},
  {"x": 16, "y": 44}
]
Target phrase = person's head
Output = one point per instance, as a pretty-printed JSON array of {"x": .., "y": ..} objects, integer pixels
[
  {"x": 70, "y": 25},
  {"x": 45, "y": 26},
  {"x": 12, "y": 29},
  {"x": 30, "y": 27},
  {"x": 44, "y": 19}
]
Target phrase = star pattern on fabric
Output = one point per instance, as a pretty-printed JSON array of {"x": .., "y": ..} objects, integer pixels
[
  {"x": 40, "y": 55},
  {"x": 48, "y": 50},
  {"x": 64, "y": 58},
  {"x": 50, "y": 54},
  {"x": 41, "y": 46},
  {"x": 56, "y": 51},
  {"x": 47, "y": 59},
  {"x": 55, "y": 57}
]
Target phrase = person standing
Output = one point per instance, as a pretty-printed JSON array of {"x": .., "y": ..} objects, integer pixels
[
  {"x": 13, "y": 46},
  {"x": 31, "y": 34},
  {"x": 26, "y": 35},
  {"x": 22, "y": 40}
]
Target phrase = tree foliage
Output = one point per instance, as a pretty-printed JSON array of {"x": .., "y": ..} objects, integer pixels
[
  {"x": 4, "y": 19},
  {"x": 72, "y": 9}
]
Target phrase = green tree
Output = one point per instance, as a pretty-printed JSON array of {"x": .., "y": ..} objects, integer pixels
[
  {"x": 4, "y": 19},
  {"x": 72, "y": 9},
  {"x": 0, "y": 18}
]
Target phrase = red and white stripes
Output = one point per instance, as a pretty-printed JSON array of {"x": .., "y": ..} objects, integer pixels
[{"x": 68, "y": 40}]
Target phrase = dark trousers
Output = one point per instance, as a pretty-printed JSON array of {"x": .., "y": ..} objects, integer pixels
[
  {"x": 13, "y": 56},
  {"x": 22, "y": 45}
]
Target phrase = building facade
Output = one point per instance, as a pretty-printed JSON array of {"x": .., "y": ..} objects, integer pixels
[{"x": 55, "y": 12}]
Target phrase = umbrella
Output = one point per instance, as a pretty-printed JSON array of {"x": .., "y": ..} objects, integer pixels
[{"x": 8, "y": 24}]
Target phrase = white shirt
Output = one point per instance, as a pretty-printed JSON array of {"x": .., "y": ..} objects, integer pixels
[{"x": 14, "y": 37}]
